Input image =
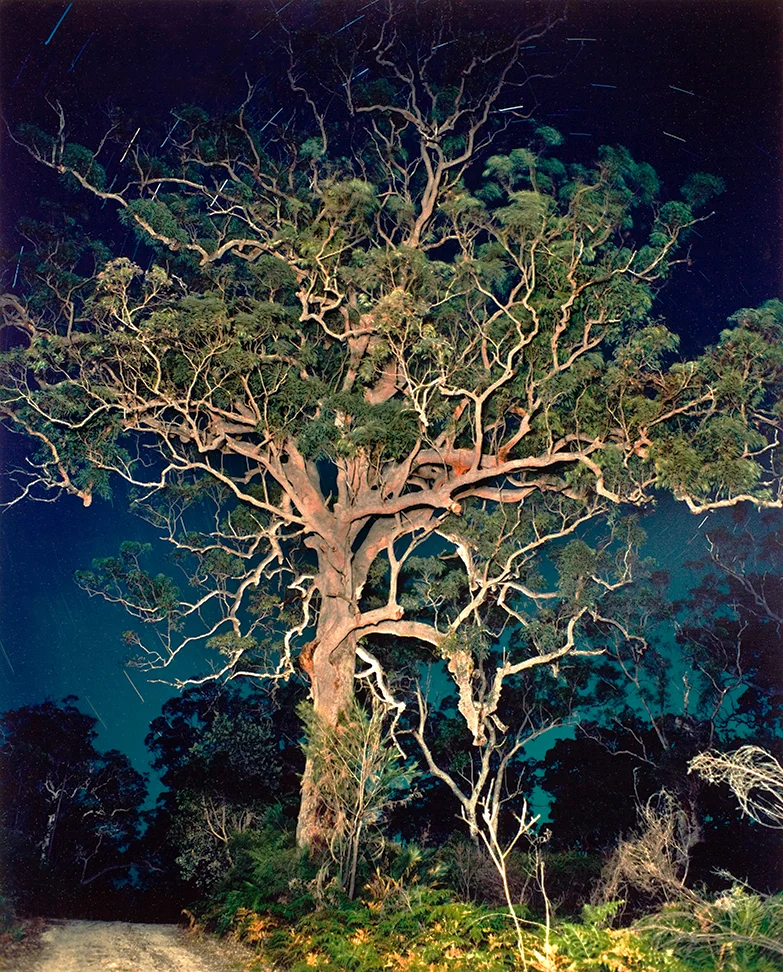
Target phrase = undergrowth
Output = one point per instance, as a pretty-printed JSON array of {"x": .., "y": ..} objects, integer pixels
[
  {"x": 294, "y": 918},
  {"x": 433, "y": 935}
]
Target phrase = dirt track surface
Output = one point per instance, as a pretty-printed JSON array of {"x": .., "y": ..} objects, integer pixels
[{"x": 100, "y": 946}]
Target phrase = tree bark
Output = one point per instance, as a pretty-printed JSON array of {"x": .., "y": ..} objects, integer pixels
[{"x": 330, "y": 662}]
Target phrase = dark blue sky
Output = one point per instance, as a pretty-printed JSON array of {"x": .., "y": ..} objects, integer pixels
[{"x": 724, "y": 56}]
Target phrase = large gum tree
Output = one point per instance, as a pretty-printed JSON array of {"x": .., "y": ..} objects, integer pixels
[{"x": 390, "y": 369}]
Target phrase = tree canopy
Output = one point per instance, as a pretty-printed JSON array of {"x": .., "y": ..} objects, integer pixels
[{"x": 392, "y": 377}]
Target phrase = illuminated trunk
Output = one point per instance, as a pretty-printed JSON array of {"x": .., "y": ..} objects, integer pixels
[{"x": 329, "y": 661}]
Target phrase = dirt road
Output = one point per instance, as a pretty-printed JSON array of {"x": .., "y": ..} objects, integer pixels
[{"x": 100, "y": 946}]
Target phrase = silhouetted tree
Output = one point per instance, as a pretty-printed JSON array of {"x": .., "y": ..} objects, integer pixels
[
  {"x": 70, "y": 814},
  {"x": 705, "y": 677},
  {"x": 225, "y": 756}
]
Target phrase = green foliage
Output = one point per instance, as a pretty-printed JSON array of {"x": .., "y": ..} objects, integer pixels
[
  {"x": 311, "y": 148},
  {"x": 221, "y": 759},
  {"x": 236, "y": 328},
  {"x": 32, "y": 135},
  {"x": 349, "y": 426},
  {"x": 268, "y": 873},
  {"x": 7, "y": 916},
  {"x": 352, "y": 199},
  {"x": 511, "y": 167},
  {"x": 430, "y": 934},
  {"x": 16, "y": 935},
  {"x": 157, "y": 214},
  {"x": 359, "y": 776},
  {"x": 588, "y": 946},
  {"x": 739, "y": 931},
  {"x": 427, "y": 933},
  {"x": 700, "y": 187},
  {"x": 82, "y": 160},
  {"x": 598, "y": 916},
  {"x": 527, "y": 212},
  {"x": 150, "y": 597},
  {"x": 549, "y": 135}
]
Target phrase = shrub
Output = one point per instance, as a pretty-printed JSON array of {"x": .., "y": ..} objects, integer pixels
[
  {"x": 359, "y": 776},
  {"x": 737, "y": 932},
  {"x": 269, "y": 875},
  {"x": 469, "y": 871}
]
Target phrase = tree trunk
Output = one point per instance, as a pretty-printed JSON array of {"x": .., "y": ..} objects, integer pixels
[
  {"x": 52, "y": 821},
  {"x": 329, "y": 661}
]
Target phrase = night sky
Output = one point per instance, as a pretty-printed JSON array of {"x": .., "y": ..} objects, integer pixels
[{"x": 710, "y": 74}]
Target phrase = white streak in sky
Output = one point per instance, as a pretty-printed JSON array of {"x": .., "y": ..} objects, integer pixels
[
  {"x": 219, "y": 190},
  {"x": 24, "y": 64},
  {"x": 57, "y": 25},
  {"x": 2, "y": 646},
  {"x": 16, "y": 274},
  {"x": 109, "y": 190},
  {"x": 134, "y": 687},
  {"x": 270, "y": 120},
  {"x": 96, "y": 712},
  {"x": 354, "y": 77},
  {"x": 73, "y": 63},
  {"x": 129, "y": 144},
  {"x": 354, "y": 21},
  {"x": 169, "y": 134}
]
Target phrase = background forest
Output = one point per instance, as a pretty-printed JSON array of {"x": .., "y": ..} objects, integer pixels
[{"x": 377, "y": 357}]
